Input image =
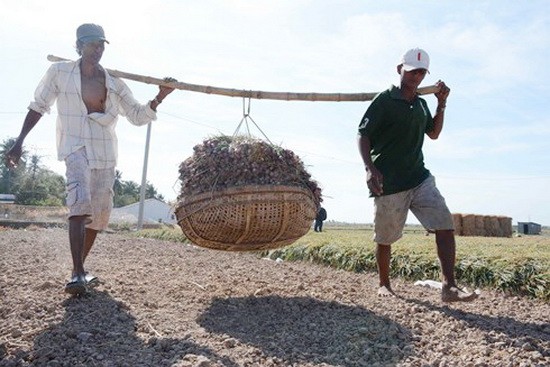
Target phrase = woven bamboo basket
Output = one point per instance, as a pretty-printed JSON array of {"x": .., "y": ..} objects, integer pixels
[{"x": 247, "y": 218}]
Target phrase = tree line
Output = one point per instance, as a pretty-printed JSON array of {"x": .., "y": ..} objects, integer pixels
[{"x": 34, "y": 184}]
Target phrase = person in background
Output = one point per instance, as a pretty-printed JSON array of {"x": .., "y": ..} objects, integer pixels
[
  {"x": 89, "y": 101},
  {"x": 321, "y": 216},
  {"x": 391, "y": 136}
]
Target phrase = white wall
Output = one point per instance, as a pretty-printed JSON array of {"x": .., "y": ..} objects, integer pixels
[{"x": 153, "y": 211}]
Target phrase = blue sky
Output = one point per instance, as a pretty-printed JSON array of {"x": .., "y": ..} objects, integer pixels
[{"x": 492, "y": 157}]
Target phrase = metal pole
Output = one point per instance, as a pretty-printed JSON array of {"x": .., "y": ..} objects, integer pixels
[{"x": 144, "y": 178}]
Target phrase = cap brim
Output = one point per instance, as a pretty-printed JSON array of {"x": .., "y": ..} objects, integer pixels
[
  {"x": 407, "y": 67},
  {"x": 92, "y": 39}
]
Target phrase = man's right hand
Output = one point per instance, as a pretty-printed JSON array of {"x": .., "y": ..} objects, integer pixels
[
  {"x": 375, "y": 181},
  {"x": 13, "y": 155}
]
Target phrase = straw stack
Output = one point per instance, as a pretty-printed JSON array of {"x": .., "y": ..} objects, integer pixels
[
  {"x": 505, "y": 224},
  {"x": 492, "y": 226},
  {"x": 457, "y": 221},
  {"x": 482, "y": 225},
  {"x": 469, "y": 225}
]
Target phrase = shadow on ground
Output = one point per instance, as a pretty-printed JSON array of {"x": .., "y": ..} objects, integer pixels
[
  {"x": 302, "y": 329},
  {"x": 99, "y": 331}
]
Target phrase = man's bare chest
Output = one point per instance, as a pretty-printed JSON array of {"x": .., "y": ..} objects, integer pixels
[{"x": 94, "y": 92}]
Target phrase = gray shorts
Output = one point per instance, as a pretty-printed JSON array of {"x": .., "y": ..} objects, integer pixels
[
  {"x": 425, "y": 202},
  {"x": 89, "y": 191}
]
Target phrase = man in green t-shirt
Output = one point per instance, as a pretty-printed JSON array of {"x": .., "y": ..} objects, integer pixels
[{"x": 391, "y": 135}]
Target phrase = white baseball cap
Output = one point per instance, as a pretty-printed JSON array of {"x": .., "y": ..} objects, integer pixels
[{"x": 415, "y": 58}]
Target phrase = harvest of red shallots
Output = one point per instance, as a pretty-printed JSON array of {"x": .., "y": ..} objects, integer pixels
[{"x": 223, "y": 161}]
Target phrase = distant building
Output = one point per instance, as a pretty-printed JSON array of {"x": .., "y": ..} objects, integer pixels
[
  {"x": 154, "y": 211},
  {"x": 529, "y": 228}
]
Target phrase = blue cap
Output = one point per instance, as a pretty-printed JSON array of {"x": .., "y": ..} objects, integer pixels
[{"x": 89, "y": 32}]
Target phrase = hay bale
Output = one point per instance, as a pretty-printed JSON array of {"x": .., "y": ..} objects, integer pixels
[
  {"x": 480, "y": 225},
  {"x": 492, "y": 226},
  {"x": 505, "y": 224},
  {"x": 469, "y": 225},
  {"x": 457, "y": 221},
  {"x": 483, "y": 225},
  {"x": 479, "y": 221}
]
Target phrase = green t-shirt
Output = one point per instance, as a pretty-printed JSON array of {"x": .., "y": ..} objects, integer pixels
[{"x": 396, "y": 128}]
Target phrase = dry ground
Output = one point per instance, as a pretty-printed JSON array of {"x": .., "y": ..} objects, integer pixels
[{"x": 168, "y": 304}]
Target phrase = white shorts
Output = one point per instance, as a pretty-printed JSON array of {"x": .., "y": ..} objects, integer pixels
[
  {"x": 89, "y": 191},
  {"x": 425, "y": 202}
]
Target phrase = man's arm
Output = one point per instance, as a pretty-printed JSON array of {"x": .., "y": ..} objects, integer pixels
[
  {"x": 134, "y": 111},
  {"x": 163, "y": 92},
  {"x": 440, "y": 110},
  {"x": 14, "y": 154},
  {"x": 374, "y": 177}
]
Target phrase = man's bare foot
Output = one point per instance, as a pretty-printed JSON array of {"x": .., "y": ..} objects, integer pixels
[
  {"x": 455, "y": 294},
  {"x": 385, "y": 291}
]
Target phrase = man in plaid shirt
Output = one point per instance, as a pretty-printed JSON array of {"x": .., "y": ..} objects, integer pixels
[{"x": 89, "y": 101}]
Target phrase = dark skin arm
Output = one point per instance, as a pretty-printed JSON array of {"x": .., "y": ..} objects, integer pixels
[
  {"x": 375, "y": 179},
  {"x": 440, "y": 111},
  {"x": 163, "y": 92},
  {"x": 14, "y": 154}
]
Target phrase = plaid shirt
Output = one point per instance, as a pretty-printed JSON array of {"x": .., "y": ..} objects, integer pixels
[{"x": 76, "y": 128}]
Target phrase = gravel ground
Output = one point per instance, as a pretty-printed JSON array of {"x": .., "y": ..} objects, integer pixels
[{"x": 167, "y": 304}]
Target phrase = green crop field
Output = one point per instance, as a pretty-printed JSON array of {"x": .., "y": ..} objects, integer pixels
[{"x": 517, "y": 265}]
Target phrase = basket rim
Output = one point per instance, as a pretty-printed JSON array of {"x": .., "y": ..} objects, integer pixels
[{"x": 245, "y": 189}]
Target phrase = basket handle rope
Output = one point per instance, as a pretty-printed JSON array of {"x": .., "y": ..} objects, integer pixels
[{"x": 245, "y": 119}]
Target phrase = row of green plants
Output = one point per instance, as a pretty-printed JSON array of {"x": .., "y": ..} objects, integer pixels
[
  {"x": 516, "y": 266},
  {"x": 530, "y": 277}
]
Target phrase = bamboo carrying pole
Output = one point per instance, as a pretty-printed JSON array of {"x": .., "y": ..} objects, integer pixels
[{"x": 256, "y": 94}]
